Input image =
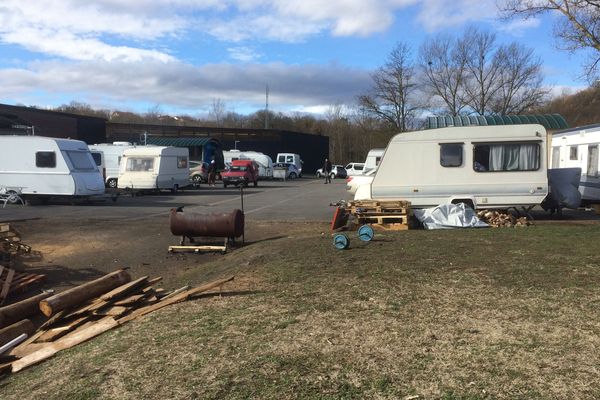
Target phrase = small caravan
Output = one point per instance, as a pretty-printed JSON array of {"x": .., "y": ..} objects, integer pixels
[
  {"x": 112, "y": 157},
  {"x": 45, "y": 167},
  {"x": 484, "y": 167},
  {"x": 291, "y": 158},
  {"x": 265, "y": 163},
  {"x": 578, "y": 148},
  {"x": 373, "y": 159},
  {"x": 154, "y": 167}
]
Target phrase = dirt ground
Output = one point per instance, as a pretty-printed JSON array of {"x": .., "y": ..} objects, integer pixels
[{"x": 76, "y": 251}]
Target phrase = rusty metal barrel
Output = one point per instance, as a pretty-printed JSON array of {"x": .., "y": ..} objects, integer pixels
[{"x": 229, "y": 225}]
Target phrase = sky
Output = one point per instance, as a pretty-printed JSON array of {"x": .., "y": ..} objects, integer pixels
[{"x": 179, "y": 56}]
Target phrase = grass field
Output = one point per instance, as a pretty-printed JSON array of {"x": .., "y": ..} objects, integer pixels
[{"x": 462, "y": 314}]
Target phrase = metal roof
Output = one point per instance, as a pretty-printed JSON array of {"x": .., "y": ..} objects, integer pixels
[
  {"x": 178, "y": 141},
  {"x": 548, "y": 121}
]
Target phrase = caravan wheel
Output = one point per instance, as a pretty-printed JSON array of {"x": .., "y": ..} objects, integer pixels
[{"x": 112, "y": 183}]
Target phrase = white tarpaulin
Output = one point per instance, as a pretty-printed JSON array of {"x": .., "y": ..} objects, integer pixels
[{"x": 449, "y": 216}]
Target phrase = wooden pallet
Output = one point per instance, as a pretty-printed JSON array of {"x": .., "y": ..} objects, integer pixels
[
  {"x": 383, "y": 219},
  {"x": 12, "y": 282},
  {"x": 197, "y": 249},
  {"x": 371, "y": 207}
]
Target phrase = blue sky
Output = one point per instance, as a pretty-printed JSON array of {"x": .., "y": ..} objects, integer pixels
[{"x": 181, "y": 55}]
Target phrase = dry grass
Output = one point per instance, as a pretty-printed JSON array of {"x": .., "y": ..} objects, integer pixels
[{"x": 474, "y": 314}]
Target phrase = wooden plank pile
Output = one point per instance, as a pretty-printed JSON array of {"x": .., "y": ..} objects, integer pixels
[
  {"x": 12, "y": 252},
  {"x": 384, "y": 215},
  {"x": 79, "y": 314},
  {"x": 497, "y": 219}
]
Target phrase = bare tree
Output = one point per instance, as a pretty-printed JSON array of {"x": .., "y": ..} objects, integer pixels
[
  {"x": 482, "y": 69},
  {"x": 521, "y": 80},
  {"x": 444, "y": 65},
  {"x": 392, "y": 98},
  {"x": 578, "y": 29},
  {"x": 217, "y": 112}
]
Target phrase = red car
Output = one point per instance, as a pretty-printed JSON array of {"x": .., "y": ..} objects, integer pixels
[{"x": 241, "y": 172}]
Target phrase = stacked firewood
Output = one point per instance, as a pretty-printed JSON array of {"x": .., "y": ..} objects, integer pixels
[
  {"x": 79, "y": 314},
  {"x": 499, "y": 219}
]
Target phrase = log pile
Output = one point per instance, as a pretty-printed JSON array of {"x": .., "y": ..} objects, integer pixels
[
  {"x": 498, "y": 219},
  {"x": 81, "y": 313}
]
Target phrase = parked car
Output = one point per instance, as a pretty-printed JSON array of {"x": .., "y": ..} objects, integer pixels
[
  {"x": 291, "y": 158},
  {"x": 241, "y": 172},
  {"x": 285, "y": 171},
  {"x": 337, "y": 171},
  {"x": 198, "y": 172},
  {"x": 354, "y": 182},
  {"x": 354, "y": 168}
]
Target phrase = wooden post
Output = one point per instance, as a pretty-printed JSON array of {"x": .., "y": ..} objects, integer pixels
[
  {"x": 77, "y": 295},
  {"x": 15, "y": 330},
  {"x": 23, "y": 309}
]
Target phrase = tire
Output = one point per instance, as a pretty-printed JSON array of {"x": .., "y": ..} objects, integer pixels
[
  {"x": 112, "y": 183},
  {"x": 224, "y": 185},
  {"x": 319, "y": 175},
  {"x": 293, "y": 175},
  {"x": 332, "y": 176},
  {"x": 13, "y": 197},
  {"x": 197, "y": 179},
  {"x": 255, "y": 183}
]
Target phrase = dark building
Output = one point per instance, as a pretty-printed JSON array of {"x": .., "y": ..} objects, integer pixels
[
  {"x": 313, "y": 149},
  {"x": 53, "y": 124}
]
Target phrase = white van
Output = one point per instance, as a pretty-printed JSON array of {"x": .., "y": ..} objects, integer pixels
[
  {"x": 484, "y": 167},
  {"x": 578, "y": 148},
  {"x": 373, "y": 159},
  {"x": 265, "y": 163},
  {"x": 154, "y": 167},
  {"x": 291, "y": 158},
  {"x": 112, "y": 158},
  {"x": 44, "y": 167}
]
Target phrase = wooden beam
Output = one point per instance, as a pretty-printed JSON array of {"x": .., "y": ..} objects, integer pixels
[
  {"x": 23, "y": 309},
  {"x": 12, "y": 331},
  {"x": 6, "y": 286},
  {"x": 81, "y": 293},
  {"x": 124, "y": 289},
  {"x": 175, "y": 299}
]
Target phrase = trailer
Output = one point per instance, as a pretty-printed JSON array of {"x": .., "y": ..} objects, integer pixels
[
  {"x": 112, "y": 159},
  {"x": 44, "y": 167},
  {"x": 483, "y": 167},
  {"x": 578, "y": 148},
  {"x": 373, "y": 159},
  {"x": 154, "y": 168}
]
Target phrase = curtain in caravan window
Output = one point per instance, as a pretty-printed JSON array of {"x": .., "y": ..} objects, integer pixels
[
  {"x": 592, "y": 167},
  {"x": 514, "y": 157}
]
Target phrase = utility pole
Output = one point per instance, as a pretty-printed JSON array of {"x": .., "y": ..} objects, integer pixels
[{"x": 267, "y": 108}]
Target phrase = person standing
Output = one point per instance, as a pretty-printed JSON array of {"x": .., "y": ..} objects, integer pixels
[
  {"x": 327, "y": 170},
  {"x": 212, "y": 171}
]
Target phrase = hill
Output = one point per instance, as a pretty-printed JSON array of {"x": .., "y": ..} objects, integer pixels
[{"x": 581, "y": 108}]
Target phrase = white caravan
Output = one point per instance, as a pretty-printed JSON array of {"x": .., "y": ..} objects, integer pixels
[
  {"x": 578, "y": 148},
  {"x": 373, "y": 159},
  {"x": 291, "y": 158},
  {"x": 44, "y": 167},
  {"x": 265, "y": 163},
  {"x": 484, "y": 167},
  {"x": 154, "y": 167},
  {"x": 112, "y": 158}
]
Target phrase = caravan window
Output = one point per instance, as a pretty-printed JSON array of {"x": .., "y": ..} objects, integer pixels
[
  {"x": 573, "y": 153},
  {"x": 80, "y": 160},
  {"x": 97, "y": 158},
  {"x": 45, "y": 159},
  {"x": 182, "y": 162},
  {"x": 592, "y": 167},
  {"x": 496, "y": 157},
  {"x": 140, "y": 164},
  {"x": 451, "y": 154}
]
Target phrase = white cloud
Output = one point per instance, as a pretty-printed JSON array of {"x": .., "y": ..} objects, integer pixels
[
  {"x": 244, "y": 54},
  {"x": 440, "y": 14},
  {"x": 186, "y": 86}
]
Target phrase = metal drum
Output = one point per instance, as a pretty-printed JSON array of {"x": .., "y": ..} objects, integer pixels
[{"x": 228, "y": 225}]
